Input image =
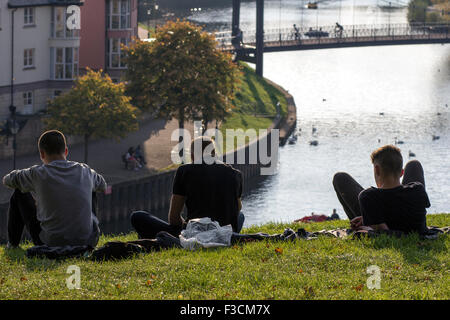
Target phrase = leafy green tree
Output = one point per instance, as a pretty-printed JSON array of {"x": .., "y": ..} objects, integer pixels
[
  {"x": 94, "y": 107},
  {"x": 417, "y": 10},
  {"x": 181, "y": 75}
]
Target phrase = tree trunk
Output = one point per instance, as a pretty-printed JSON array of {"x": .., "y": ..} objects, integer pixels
[{"x": 86, "y": 148}]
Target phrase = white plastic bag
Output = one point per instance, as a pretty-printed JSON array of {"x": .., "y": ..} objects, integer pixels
[{"x": 205, "y": 233}]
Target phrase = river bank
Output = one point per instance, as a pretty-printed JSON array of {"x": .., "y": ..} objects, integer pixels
[{"x": 324, "y": 268}]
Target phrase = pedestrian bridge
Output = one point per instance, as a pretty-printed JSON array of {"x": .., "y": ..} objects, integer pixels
[{"x": 307, "y": 38}]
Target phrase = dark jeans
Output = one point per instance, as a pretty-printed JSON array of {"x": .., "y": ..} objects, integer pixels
[
  {"x": 348, "y": 190},
  {"x": 147, "y": 225},
  {"x": 22, "y": 214}
]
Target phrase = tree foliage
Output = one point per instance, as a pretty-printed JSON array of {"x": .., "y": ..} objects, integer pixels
[
  {"x": 181, "y": 74},
  {"x": 94, "y": 107}
]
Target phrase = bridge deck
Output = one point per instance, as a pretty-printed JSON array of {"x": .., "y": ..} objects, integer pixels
[
  {"x": 305, "y": 38},
  {"x": 326, "y": 43}
]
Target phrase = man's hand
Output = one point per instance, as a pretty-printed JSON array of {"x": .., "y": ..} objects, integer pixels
[
  {"x": 364, "y": 228},
  {"x": 357, "y": 222},
  {"x": 176, "y": 206}
]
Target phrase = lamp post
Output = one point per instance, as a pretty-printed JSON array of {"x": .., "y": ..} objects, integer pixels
[
  {"x": 389, "y": 20},
  {"x": 149, "y": 14},
  {"x": 14, "y": 130}
]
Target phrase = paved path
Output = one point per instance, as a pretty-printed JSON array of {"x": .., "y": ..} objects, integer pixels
[
  {"x": 142, "y": 33},
  {"x": 154, "y": 136}
]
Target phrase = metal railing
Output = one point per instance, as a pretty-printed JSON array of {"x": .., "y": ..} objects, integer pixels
[{"x": 333, "y": 34}]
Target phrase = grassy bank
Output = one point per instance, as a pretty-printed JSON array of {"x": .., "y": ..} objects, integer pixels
[
  {"x": 255, "y": 104},
  {"x": 325, "y": 268}
]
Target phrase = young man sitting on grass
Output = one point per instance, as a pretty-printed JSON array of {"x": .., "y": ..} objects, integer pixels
[
  {"x": 54, "y": 201},
  {"x": 208, "y": 190},
  {"x": 393, "y": 205}
]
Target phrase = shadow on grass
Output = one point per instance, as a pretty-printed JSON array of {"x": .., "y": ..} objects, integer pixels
[
  {"x": 18, "y": 255},
  {"x": 413, "y": 249}
]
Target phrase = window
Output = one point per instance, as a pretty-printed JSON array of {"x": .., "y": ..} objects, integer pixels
[
  {"x": 118, "y": 14},
  {"x": 28, "y": 16},
  {"x": 116, "y": 55},
  {"x": 64, "y": 63},
  {"x": 27, "y": 102},
  {"x": 57, "y": 93},
  {"x": 59, "y": 26},
  {"x": 28, "y": 58}
]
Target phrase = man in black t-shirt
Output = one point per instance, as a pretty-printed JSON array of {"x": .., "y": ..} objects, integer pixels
[
  {"x": 208, "y": 188},
  {"x": 392, "y": 205}
]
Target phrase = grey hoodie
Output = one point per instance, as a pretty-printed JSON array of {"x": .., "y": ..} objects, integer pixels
[{"x": 63, "y": 193}]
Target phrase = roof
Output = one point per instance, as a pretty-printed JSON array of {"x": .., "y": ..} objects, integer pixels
[{"x": 36, "y": 3}]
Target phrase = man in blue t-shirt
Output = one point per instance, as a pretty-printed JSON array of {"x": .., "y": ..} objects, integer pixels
[{"x": 392, "y": 205}]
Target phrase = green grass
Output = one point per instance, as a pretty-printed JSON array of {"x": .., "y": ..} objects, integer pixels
[
  {"x": 326, "y": 268},
  {"x": 255, "y": 105}
]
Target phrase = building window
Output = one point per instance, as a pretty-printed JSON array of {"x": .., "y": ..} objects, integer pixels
[
  {"x": 28, "y": 102},
  {"x": 57, "y": 93},
  {"x": 115, "y": 53},
  {"x": 64, "y": 63},
  {"x": 59, "y": 24},
  {"x": 28, "y": 58},
  {"x": 28, "y": 16},
  {"x": 118, "y": 14}
]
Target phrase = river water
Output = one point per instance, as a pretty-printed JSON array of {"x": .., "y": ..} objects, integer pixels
[{"x": 358, "y": 99}]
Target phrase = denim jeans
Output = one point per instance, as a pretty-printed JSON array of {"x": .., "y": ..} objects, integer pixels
[{"x": 147, "y": 225}]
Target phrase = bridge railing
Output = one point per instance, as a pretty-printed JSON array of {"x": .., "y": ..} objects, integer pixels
[{"x": 348, "y": 33}]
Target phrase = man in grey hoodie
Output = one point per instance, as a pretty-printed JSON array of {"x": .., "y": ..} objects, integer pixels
[{"x": 54, "y": 201}]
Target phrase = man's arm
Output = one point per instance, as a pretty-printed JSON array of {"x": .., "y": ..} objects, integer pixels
[
  {"x": 239, "y": 204},
  {"x": 20, "y": 179},
  {"x": 358, "y": 224},
  {"x": 99, "y": 182},
  {"x": 176, "y": 206},
  {"x": 379, "y": 227}
]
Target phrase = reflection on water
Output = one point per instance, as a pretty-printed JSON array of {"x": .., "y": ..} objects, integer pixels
[
  {"x": 357, "y": 99},
  {"x": 283, "y": 14}
]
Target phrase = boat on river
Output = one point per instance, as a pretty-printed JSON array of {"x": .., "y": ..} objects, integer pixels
[{"x": 312, "y": 5}]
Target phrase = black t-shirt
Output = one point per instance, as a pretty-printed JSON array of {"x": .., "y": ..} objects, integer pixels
[
  {"x": 401, "y": 208},
  {"x": 211, "y": 191}
]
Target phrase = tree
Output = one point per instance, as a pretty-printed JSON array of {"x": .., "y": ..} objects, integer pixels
[
  {"x": 181, "y": 75},
  {"x": 94, "y": 107}
]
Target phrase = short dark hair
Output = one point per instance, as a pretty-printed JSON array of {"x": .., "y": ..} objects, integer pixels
[
  {"x": 52, "y": 142},
  {"x": 389, "y": 158},
  {"x": 205, "y": 141}
]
